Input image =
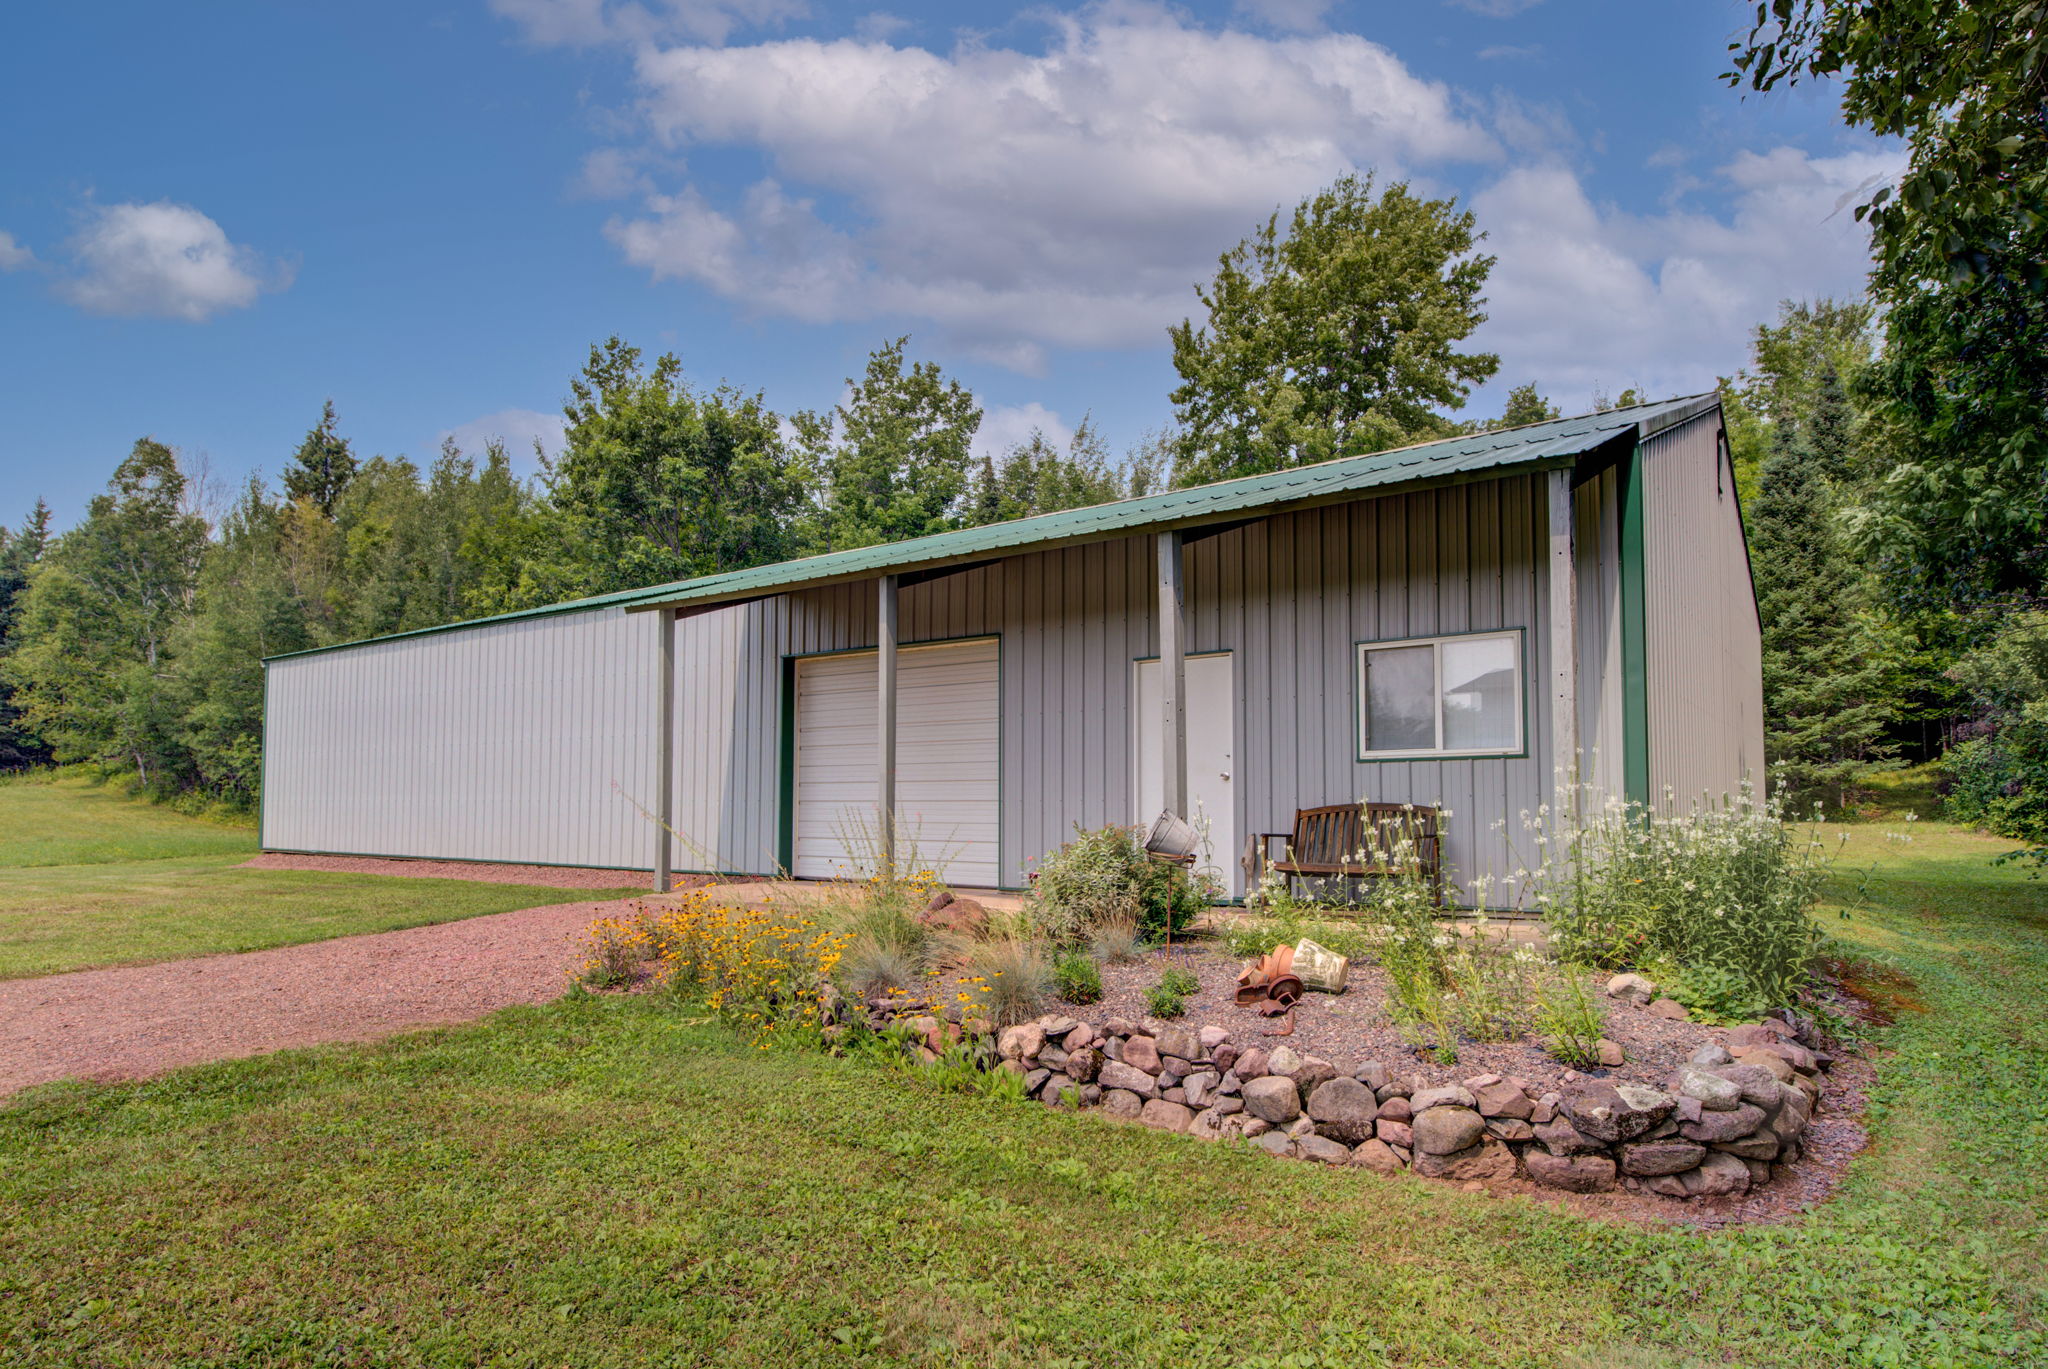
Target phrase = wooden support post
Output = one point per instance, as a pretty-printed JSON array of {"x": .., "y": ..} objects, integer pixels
[
  {"x": 665, "y": 753},
  {"x": 1173, "y": 676},
  {"x": 885, "y": 720},
  {"x": 1564, "y": 641}
]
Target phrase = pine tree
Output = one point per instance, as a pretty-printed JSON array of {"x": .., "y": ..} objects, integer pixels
[
  {"x": 323, "y": 467},
  {"x": 19, "y": 552},
  {"x": 1825, "y": 697}
]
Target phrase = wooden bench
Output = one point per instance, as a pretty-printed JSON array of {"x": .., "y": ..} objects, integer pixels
[{"x": 1330, "y": 843}]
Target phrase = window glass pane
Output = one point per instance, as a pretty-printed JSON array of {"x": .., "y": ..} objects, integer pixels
[
  {"x": 1400, "y": 688},
  {"x": 1481, "y": 701}
]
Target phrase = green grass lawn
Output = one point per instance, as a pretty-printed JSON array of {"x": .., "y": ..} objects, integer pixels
[
  {"x": 617, "y": 1181},
  {"x": 89, "y": 877}
]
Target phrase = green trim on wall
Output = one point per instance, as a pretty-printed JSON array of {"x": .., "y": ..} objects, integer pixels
[
  {"x": 1635, "y": 684},
  {"x": 785, "y": 778}
]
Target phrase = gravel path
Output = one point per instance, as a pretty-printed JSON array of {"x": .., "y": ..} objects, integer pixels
[
  {"x": 548, "y": 876},
  {"x": 141, "y": 1020}
]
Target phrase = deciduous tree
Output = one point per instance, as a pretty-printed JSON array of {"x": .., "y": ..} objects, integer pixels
[{"x": 1335, "y": 335}]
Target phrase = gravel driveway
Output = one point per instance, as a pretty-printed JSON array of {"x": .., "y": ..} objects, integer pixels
[{"x": 141, "y": 1020}]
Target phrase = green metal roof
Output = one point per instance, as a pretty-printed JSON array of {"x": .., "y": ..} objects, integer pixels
[{"x": 1534, "y": 446}]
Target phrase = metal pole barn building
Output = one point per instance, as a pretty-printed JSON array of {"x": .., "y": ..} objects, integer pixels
[{"x": 1450, "y": 624}]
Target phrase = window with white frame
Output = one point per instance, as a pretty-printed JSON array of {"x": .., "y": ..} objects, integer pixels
[{"x": 1440, "y": 696}]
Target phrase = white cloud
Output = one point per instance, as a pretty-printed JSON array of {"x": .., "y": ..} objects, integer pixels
[
  {"x": 1291, "y": 16},
  {"x": 879, "y": 27},
  {"x": 1018, "y": 199},
  {"x": 516, "y": 428},
  {"x": 164, "y": 259},
  {"x": 1586, "y": 298},
  {"x": 14, "y": 255},
  {"x": 581, "y": 23},
  {"x": 1004, "y": 426}
]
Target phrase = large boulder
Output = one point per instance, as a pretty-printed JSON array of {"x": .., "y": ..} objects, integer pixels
[
  {"x": 1610, "y": 1112},
  {"x": 1200, "y": 1087},
  {"x": 1450, "y": 1095},
  {"x": 1122, "y": 1104},
  {"x": 1117, "y": 1075},
  {"x": 1753, "y": 1083},
  {"x": 1396, "y": 1109},
  {"x": 1322, "y": 1150},
  {"x": 1021, "y": 1042},
  {"x": 1157, "y": 1112},
  {"x": 1573, "y": 1173},
  {"x": 1312, "y": 1073},
  {"x": 1445, "y": 1130},
  {"x": 1762, "y": 1147},
  {"x": 1143, "y": 1052},
  {"x": 1631, "y": 988},
  {"x": 1177, "y": 1041},
  {"x": 1378, "y": 1157},
  {"x": 1645, "y": 1159},
  {"x": 1252, "y": 1064},
  {"x": 1272, "y": 1099},
  {"x": 1504, "y": 1099},
  {"x": 1669, "y": 1009},
  {"x": 1744, "y": 1119},
  {"x": 1714, "y": 1093},
  {"x": 1084, "y": 1064},
  {"x": 1343, "y": 1110},
  {"x": 1395, "y": 1133},
  {"x": 1718, "y": 1176},
  {"x": 1489, "y": 1160}
]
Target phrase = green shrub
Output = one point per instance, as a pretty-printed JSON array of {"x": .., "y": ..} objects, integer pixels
[
  {"x": 1711, "y": 994},
  {"x": 1105, "y": 876},
  {"x": 1726, "y": 887},
  {"x": 2000, "y": 782},
  {"x": 1168, "y": 998},
  {"x": 1077, "y": 978}
]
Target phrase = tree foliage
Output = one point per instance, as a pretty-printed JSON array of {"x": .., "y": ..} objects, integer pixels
[
  {"x": 1825, "y": 703},
  {"x": 1961, "y": 240},
  {"x": 1335, "y": 337},
  {"x": 658, "y": 481},
  {"x": 894, "y": 458}
]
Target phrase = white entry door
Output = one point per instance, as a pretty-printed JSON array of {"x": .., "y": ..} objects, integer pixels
[
  {"x": 948, "y": 754},
  {"x": 1212, "y": 760}
]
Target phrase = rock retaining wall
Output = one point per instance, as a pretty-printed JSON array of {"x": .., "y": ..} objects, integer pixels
[{"x": 1718, "y": 1126}]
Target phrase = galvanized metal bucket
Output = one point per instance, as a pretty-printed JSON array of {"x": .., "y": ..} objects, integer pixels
[{"x": 1172, "y": 838}]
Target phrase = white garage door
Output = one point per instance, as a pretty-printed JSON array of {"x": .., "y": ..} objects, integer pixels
[{"x": 948, "y": 749}]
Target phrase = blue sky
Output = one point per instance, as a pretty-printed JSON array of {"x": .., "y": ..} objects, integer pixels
[{"x": 214, "y": 217}]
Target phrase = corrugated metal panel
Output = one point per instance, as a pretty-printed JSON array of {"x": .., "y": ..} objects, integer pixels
[
  {"x": 1597, "y": 515},
  {"x": 1704, "y": 647},
  {"x": 521, "y": 741}
]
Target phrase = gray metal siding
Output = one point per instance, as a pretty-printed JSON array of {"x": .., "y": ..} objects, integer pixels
[
  {"x": 1703, "y": 647},
  {"x": 1288, "y": 596},
  {"x": 521, "y": 740},
  {"x": 1597, "y": 519}
]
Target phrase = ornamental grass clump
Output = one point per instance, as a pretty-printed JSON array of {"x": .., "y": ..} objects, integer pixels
[
  {"x": 1106, "y": 875},
  {"x": 1722, "y": 893}
]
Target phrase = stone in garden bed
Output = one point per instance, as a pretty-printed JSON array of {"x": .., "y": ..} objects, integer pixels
[
  {"x": 1573, "y": 1173},
  {"x": 1273, "y": 1099},
  {"x": 1446, "y": 1129},
  {"x": 1343, "y": 1110}
]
